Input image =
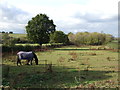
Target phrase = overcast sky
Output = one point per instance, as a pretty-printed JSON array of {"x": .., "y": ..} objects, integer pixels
[{"x": 68, "y": 15}]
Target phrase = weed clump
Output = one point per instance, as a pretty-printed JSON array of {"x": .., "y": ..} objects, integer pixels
[
  {"x": 49, "y": 68},
  {"x": 74, "y": 56},
  {"x": 92, "y": 54}
]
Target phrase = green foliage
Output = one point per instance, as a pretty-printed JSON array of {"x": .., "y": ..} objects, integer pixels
[
  {"x": 72, "y": 38},
  {"x": 86, "y": 38},
  {"x": 18, "y": 48},
  {"x": 10, "y": 32},
  {"x": 58, "y": 37},
  {"x": 7, "y": 40},
  {"x": 109, "y": 38},
  {"x": 39, "y": 29},
  {"x": 28, "y": 47}
]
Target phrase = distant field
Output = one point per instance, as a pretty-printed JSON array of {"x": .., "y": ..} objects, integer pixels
[
  {"x": 18, "y": 35},
  {"x": 28, "y": 44},
  {"x": 113, "y": 44}
]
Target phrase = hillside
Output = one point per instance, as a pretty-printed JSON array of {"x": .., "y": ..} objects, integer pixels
[
  {"x": 18, "y": 35},
  {"x": 113, "y": 44}
]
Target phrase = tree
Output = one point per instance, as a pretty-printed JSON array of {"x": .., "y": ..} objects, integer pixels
[
  {"x": 3, "y": 31},
  {"x": 39, "y": 29},
  {"x": 86, "y": 38},
  {"x": 109, "y": 38},
  {"x": 59, "y": 37},
  {"x": 10, "y": 32},
  {"x": 7, "y": 40},
  {"x": 72, "y": 38}
]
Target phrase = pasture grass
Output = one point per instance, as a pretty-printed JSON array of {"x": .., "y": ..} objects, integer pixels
[
  {"x": 114, "y": 44},
  {"x": 72, "y": 67},
  {"x": 18, "y": 35},
  {"x": 28, "y": 44},
  {"x": 35, "y": 44}
]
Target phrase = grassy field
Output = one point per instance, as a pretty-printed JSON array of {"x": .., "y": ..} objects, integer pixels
[
  {"x": 17, "y": 35},
  {"x": 72, "y": 67},
  {"x": 114, "y": 45}
]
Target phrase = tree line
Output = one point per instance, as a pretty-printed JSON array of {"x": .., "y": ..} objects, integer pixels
[
  {"x": 7, "y": 32},
  {"x": 40, "y": 29},
  {"x": 87, "y": 38}
]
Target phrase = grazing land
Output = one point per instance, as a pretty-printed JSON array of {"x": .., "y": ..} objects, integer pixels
[
  {"x": 71, "y": 67},
  {"x": 18, "y": 35}
]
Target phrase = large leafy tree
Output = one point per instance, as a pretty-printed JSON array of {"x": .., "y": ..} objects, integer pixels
[{"x": 39, "y": 29}]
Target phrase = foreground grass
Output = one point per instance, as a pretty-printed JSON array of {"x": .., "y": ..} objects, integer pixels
[{"x": 77, "y": 68}]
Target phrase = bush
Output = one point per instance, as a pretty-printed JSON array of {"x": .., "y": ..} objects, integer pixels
[
  {"x": 86, "y": 38},
  {"x": 17, "y": 48},
  {"x": 7, "y": 40}
]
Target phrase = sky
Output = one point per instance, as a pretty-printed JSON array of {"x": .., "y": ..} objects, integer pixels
[{"x": 68, "y": 15}]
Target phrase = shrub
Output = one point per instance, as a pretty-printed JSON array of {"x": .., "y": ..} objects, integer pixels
[
  {"x": 93, "y": 54},
  {"x": 74, "y": 55}
]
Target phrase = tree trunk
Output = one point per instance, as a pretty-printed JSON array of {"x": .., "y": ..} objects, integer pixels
[{"x": 40, "y": 45}]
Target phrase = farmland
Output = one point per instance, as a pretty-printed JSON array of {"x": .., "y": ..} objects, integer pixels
[
  {"x": 72, "y": 67},
  {"x": 78, "y": 51},
  {"x": 18, "y": 35}
]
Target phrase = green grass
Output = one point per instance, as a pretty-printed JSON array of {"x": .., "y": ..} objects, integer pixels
[
  {"x": 35, "y": 44},
  {"x": 28, "y": 44},
  {"x": 17, "y": 35},
  {"x": 71, "y": 69},
  {"x": 113, "y": 45}
]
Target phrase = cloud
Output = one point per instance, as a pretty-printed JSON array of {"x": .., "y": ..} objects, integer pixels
[
  {"x": 109, "y": 27},
  {"x": 96, "y": 18},
  {"x": 90, "y": 18},
  {"x": 12, "y": 14},
  {"x": 68, "y": 15},
  {"x": 91, "y": 22},
  {"x": 12, "y": 18}
]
